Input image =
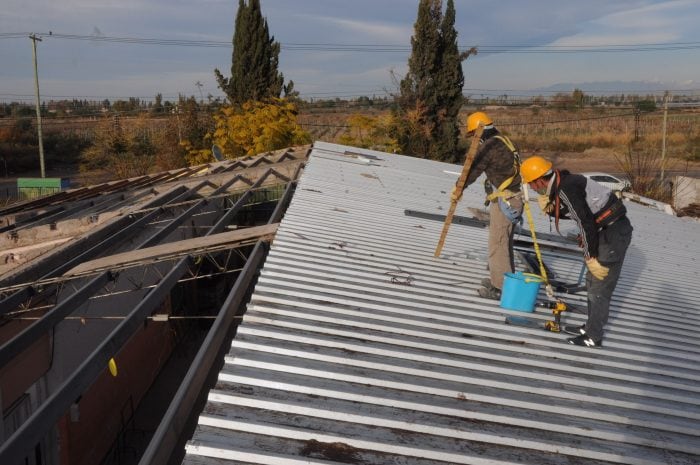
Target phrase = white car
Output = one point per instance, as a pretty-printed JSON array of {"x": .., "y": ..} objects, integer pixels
[{"x": 608, "y": 180}]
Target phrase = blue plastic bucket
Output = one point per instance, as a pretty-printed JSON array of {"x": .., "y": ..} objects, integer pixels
[{"x": 520, "y": 291}]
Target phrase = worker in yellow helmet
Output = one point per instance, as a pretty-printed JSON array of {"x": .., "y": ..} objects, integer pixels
[
  {"x": 498, "y": 158},
  {"x": 605, "y": 233}
]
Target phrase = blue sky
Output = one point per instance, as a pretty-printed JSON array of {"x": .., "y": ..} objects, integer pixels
[{"x": 91, "y": 69}]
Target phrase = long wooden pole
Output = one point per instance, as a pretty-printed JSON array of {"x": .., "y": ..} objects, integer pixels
[
  {"x": 460, "y": 185},
  {"x": 663, "y": 136}
]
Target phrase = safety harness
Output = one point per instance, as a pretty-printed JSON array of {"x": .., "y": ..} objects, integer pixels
[
  {"x": 557, "y": 181},
  {"x": 613, "y": 210},
  {"x": 501, "y": 189}
]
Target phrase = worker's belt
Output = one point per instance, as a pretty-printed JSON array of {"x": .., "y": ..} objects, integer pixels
[
  {"x": 508, "y": 194},
  {"x": 613, "y": 211},
  {"x": 504, "y": 194}
]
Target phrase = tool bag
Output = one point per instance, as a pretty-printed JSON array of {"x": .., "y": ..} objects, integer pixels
[{"x": 612, "y": 211}]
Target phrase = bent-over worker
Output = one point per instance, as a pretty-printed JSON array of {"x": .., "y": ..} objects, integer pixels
[{"x": 605, "y": 233}]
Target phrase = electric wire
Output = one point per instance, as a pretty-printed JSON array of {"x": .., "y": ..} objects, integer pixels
[
  {"x": 342, "y": 100},
  {"x": 371, "y": 48},
  {"x": 363, "y": 48}
]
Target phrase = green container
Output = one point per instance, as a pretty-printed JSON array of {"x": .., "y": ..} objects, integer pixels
[{"x": 32, "y": 188}]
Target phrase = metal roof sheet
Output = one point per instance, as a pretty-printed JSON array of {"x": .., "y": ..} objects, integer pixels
[{"x": 359, "y": 346}]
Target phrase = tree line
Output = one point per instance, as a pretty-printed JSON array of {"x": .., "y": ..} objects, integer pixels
[
  {"x": 158, "y": 105},
  {"x": 260, "y": 109}
]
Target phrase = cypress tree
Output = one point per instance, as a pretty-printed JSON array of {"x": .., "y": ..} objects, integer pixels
[
  {"x": 450, "y": 82},
  {"x": 431, "y": 91},
  {"x": 416, "y": 126},
  {"x": 255, "y": 59}
]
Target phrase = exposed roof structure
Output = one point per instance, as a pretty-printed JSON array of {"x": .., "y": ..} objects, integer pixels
[
  {"x": 127, "y": 245},
  {"x": 35, "y": 226},
  {"x": 358, "y": 346}
]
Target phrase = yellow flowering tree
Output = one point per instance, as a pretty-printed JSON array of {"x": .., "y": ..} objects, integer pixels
[
  {"x": 255, "y": 127},
  {"x": 371, "y": 132}
]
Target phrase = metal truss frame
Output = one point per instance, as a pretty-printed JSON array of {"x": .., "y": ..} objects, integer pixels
[{"x": 22, "y": 441}]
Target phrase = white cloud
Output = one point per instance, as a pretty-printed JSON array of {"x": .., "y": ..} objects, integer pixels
[
  {"x": 89, "y": 68},
  {"x": 366, "y": 30},
  {"x": 659, "y": 15},
  {"x": 615, "y": 38},
  {"x": 664, "y": 22}
]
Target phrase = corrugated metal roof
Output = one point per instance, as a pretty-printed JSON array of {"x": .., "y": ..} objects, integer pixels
[{"x": 359, "y": 346}]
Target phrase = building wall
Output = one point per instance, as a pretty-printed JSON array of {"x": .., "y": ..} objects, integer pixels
[
  {"x": 686, "y": 191},
  {"x": 20, "y": 373},
  {"x": 89, "y": 429}
]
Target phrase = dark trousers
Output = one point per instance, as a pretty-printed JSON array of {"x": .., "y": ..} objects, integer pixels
[{"x": 612, "y": 246}]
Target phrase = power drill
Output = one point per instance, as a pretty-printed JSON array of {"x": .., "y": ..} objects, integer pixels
[{"x": 557, "y": 308}]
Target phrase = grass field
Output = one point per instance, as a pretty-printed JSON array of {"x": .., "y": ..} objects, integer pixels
[
  {"x": 598, "y": 136},
  {"x": 588, "y": 139}
]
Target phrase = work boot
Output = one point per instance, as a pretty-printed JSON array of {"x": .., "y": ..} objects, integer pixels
[
  {"x": 575, "y": 330},
  {"x": 585, "y": 341},
  {"x": 486, "y": 282},
  {"x": 492, "y": 293}
]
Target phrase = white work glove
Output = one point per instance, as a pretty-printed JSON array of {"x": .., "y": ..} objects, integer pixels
[
  {"x": 545, "y": 205},
  {"x": 597, "y": 270},
  {"x": 454, "y": 195}
]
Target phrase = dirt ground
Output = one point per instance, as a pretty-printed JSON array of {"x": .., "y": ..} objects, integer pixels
[
  {"x": 602, "y": 160},
  {"x": 579, "y": 162}
]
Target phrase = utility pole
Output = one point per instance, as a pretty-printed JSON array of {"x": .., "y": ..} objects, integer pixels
[
  {"x": 199, "y": 86},
  {"x": 179, "y": 130},
  {"x": 38, "y": 104},
  {"x": 663, "y": 137}
]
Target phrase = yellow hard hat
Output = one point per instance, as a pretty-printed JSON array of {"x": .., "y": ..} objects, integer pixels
[
  {"x": 534, "y": 167},
  {"x": 477, "y": 118}
]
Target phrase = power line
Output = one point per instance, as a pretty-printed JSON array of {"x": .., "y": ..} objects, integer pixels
[
  {"x": 97, "y": 115},
  {"x": 529, "y": 93},
  {"x": 474, "y": 94},
  {"x": 14, "y": 35},
  {"x": 570, "y": 120},
  {"x": 556, "y": 49},
  {"x": 98, "y": 97},
  {"x": 377, "y": 48}
]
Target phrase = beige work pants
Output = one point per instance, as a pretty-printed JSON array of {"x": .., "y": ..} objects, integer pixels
[{"x": 501, "y": 233}]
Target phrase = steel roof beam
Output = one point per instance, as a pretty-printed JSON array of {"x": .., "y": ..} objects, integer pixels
[
  {"x": 173, "y": 423},
  {"x": 17, "y": 298},
  {"x": 189, "y": 212},
  {"x": 17, "y": 344},
  {"x": 98, "y": 236},
  {"x": 195, "y": 246},
  {"x": 23, "y": 441},
  {"x": 97, "y": 242},
  {"x": 226, "y": 219}
]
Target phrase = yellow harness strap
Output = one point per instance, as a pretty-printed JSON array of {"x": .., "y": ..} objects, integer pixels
[
  {"x": 501, "y": 190},
  {"x": 506, "y": 141}
]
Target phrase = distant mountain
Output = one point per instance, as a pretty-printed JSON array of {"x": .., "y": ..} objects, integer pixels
[{"x": 618, "y": 87}]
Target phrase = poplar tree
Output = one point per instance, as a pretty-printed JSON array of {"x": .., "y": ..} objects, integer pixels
[
  {"x": 255, "y": 59},
  {"x": 431, "y": 92}
]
